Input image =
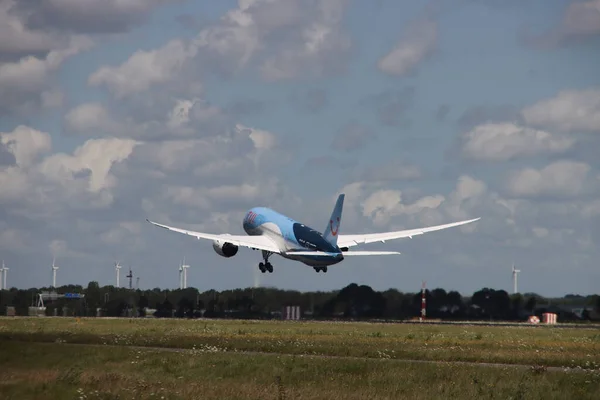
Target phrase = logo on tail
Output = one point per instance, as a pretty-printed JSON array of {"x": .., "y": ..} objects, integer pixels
[
  {"x": 331, "y": 232},
  {"x": 334, "y": 231}
]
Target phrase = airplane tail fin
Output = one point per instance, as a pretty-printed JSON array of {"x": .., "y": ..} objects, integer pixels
[{"x": 331, "y": 232}]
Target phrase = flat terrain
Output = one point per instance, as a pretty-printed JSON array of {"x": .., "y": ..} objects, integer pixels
[{"x": 180, "y": 359}]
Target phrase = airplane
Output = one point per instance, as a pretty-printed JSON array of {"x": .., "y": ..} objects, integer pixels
[{"x": 274, "y": 233}]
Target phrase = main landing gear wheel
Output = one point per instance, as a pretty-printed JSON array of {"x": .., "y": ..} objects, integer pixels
[
  {"x": 264, "y": 267},
  {"x": 319, "y": 269}
]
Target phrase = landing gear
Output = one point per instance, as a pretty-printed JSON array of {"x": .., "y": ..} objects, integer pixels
[
  {"x": 319, "y": 269},
  {"x": 266, "y": 266}
]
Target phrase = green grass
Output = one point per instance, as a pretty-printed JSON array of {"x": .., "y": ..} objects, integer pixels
[
  {"x": 65, "y": 371},
  {"x": 58, "y": 358},
  {"x": 561, "y": 347}
]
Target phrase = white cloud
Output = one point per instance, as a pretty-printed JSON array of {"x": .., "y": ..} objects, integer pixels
[
  {"x": 525, "y": 226},
  {"x": 188, "y": 196},
  {"x": 569, "y": 111},
  {"x": 95, "y": 156},
  {"x": 505, "y": 141},
  {"x": 228, "y": 153},
  {"x": 88, "y": 16},
  {"x": 418, "y": 43},
  {"x": 253, "y": 27},
  {"x": 16, "y": 39},
  {"x": 13, "y": 182},
  {"x": 323, "y": 45},
  {"x": 161, "y": 118},
  {"x": 124, "y": 233},
  {"x": 392, "y": 171},
  {"x": 561, "y": 178},
  {"x": 180, "y": 114},
  {"x": 236, "y": 37},
  {"x": 28, "y": 82},
  {"x": 468, "y": 187},
  {"x": 178, "y": 155},
  {"x": 263, "y": 140},
  {"x": 580, "y": 22},
  {"x": 582, "y": 18},
  {"x": 385, "y": 204},
  {"x": 387, "y": 208},
  {"x": 34, "y": 71},
  {"x": 144, "y": 69},
  {"x": 86, "y": 172},
  {"x": 89, "y": 117},
  {"x": 26, "y": 144}
]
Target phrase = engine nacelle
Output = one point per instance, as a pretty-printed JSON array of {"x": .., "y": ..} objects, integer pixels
[{"x": 225, "y": 249}]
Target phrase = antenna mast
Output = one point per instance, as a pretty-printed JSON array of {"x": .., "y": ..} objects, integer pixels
[
  {"x": 423, "y": 302},
  {"x": 130, "y": 276}
]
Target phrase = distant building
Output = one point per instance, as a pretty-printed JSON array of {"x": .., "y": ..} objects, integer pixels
[{"x": 291, "y": 312}]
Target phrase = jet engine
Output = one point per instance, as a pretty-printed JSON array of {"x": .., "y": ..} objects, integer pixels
[{"x": 225, "y": 249}]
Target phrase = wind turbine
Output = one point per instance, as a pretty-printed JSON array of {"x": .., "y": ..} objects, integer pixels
[
  {"x": 3, "y": 273},
  {"x": 514, "y": 277},
  {"x": 184, "y": 267},
  {"x": 54, "y": 269},
  {"x": 118, "y": 271},
  {"x": 180, "y": 276}
]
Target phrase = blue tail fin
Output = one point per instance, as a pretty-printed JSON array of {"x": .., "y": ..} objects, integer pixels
[{"x": 331, "y": 232}]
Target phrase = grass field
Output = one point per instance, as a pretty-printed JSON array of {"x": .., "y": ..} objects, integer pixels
[{"x": 94, "y": 358}]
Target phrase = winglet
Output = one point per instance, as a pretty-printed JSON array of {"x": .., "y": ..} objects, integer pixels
[
  {"x": 159, "y": 225},
  {"x": 333, "y": 226}
]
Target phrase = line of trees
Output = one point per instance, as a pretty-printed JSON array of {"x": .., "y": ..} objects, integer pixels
[{"x": 351, "y": 302}]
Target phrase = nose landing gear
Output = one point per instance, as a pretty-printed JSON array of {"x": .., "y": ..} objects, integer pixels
[{"x": 319, "y": 269}]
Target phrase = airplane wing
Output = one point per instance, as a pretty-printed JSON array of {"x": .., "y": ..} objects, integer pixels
[
  {"x": 353, "y": 240},
  {"x": 345, "y": 253},
  {"x": 253, "y": 242}
]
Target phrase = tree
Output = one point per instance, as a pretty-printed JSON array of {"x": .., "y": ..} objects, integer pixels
[
  {"x": 185, "y": 308},
  {"x": 352, "y": 301},
  {"x": 530, "y": 304},
  {"x": 93, "y": 295},
  {"x": 516, "y": 305},
  {"x": 495, "y": 303},
  {"x": 361, "y": 301},
  {"x": 439, "y": 302},
  {"x": 455, "y": 303}
]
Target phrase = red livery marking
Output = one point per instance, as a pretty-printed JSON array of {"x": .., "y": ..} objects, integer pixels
[
  {"x": 334, "y": 231},
  {"x": 251, "y": 216}
]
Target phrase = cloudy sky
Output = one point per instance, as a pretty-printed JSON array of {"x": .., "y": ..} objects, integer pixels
[{"x": 189, "y": 113}]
